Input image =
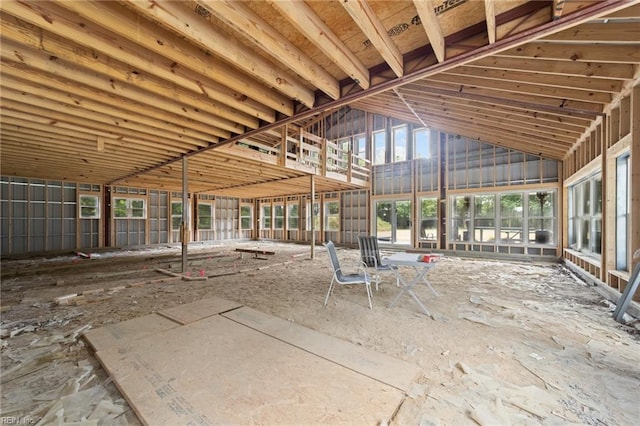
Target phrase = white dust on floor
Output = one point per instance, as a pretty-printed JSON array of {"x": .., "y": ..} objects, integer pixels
[{"x": 510, "y": 343}]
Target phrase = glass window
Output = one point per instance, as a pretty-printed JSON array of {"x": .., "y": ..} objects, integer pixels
[
  {"x": 428, "y": 219},
  {"x": 424, "y": 145},
  {"x": 89, "y": 207},
  {"x": 176, "y": 214},
  {"x": 205, "y": 216},
  {"x": 541, "y": 216},
  {"x": 246, "y": 217},
  {"x": 399, "y": 135},
  {"x": 511, "y": 213},
  {"x": 293, "y": 216},
  {"x": 484, "y": 223},
  {"x": 622, "y": 212},
  {"x": 360, "y": 146},
  {"x": 266, "y": 216},
  {"x": 460, "y": 217},
  {"x": 315, "y": 211},
  {"x": 129, "y": 208},
  {"x": 379, "y": 147},
  {"x": 278, "y": 216},
  {"x": 332, "y": 216}
]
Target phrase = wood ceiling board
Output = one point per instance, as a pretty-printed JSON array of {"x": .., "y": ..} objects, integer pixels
[
  {"x": 25, "y": 102},
  {"x": 222, "y": 379},
  {"x": 114, "y": 335},
  {"x": 383, "y": 368},
  {"x": 550, "y": 120},
  {"x": 606, "y": 53},
  {"x": 160, "y": 78},
  {"x": 557, "y": 67},
  {"x": 524, "y": 88},
  {"x": 110, "y": 105},
  {"x": 550, "y": 80},
  {"x": 609, "y": 33},
  {"x": 195, "y": 311}
]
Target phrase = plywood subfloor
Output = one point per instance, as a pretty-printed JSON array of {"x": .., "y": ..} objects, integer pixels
[
  {"x": 246, "y": 367},
  {"x": 191, "y": 312},
  {"x": 113, "y": 335}
]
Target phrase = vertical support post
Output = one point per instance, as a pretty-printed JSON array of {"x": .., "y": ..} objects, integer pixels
[
  {"x": 184, "y": 228},
  {"x": 313, "y": 221}
]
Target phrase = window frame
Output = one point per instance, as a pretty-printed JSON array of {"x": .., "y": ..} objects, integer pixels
[
  {"x": 278, "y": 220},
  {"x": 291, "y": 216},
  {"x": 211, "y": 216},
  {"x": 328, "y": 216},
  {"x": 129, "y": 209},
  {"x": 96, "y": 215},
  {"x": 244, "y": 217}
]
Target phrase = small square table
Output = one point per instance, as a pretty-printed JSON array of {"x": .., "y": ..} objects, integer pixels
[{"x": 414, "y": 260}]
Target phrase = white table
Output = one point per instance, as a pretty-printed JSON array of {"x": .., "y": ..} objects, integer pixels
[{"x": 420, "y": 268}]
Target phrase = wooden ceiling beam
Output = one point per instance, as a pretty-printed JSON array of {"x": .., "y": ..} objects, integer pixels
[
  {"x": 187, "y": 23},
  {"x": 267, "y": 39},
  {"x": 21, "y": 58},
  {"x": 31, "y": 88},
  {"x": 88, "y": 27},
  {"x": 595, "y": 11},
  {"x": 362, "y": 14},
  {"x": 490, "y": 16},
  {"x": 317, "y": 32},
  {"x": 431, "y": 25},
  {"x": 158, "y": 76},
  {"x": 61, "y": 121},
  {"x": 26, "y": 102}
]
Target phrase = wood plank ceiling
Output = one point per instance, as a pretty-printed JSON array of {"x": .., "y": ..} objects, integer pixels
[{"x": 117, "y": 92}]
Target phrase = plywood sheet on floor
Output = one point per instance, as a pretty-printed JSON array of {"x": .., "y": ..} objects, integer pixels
[
  {"x": 389, "y": 370},
  {"x": 115, "y": 334},
  {"x": 218, "y": 371},
  {"x": 191, "y": 312}
]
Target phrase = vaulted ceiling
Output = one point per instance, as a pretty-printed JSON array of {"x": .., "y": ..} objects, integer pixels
[{"x": 117, "y": 92}]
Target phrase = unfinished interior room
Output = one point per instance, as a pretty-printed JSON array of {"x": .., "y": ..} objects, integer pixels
[{"x": 305, "y": 212}]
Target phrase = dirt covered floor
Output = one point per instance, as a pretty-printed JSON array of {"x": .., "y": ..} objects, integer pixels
[{"x": 509, "y": 343}]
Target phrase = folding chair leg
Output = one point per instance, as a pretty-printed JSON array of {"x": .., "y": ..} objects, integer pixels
[
  {"x": 326, "y": 299},
  {"x": 369, "y": 295}
]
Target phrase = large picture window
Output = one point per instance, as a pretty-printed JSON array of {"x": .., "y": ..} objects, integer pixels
[
  {"x": 504, "y": 218},
  {"x": 129, "y": 208}
]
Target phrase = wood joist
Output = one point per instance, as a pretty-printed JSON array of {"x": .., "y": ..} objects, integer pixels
[{"x": 118, "y": 92}]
